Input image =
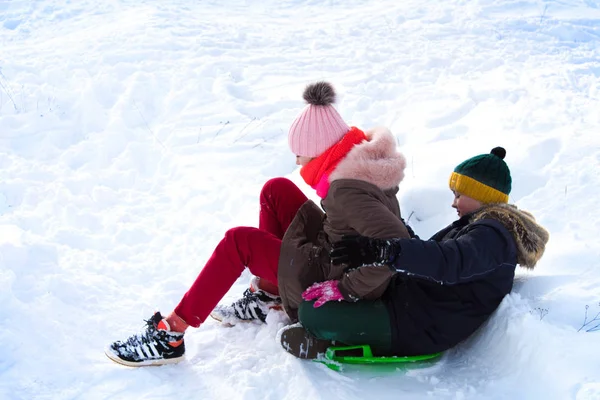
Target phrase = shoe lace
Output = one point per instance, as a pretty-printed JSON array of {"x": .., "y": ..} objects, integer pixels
[
  {"x": 142, "y": 338},
  {"x": 243, "y": 307},
  {"x": 248, "y": 297}
]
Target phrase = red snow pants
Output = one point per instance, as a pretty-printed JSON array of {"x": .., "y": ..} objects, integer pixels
[{"x": 254, "y": 248}]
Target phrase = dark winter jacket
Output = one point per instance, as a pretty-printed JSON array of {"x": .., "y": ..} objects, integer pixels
[
  {"x": 448, "y": 286},
  {"x": 361, "y": 200}
]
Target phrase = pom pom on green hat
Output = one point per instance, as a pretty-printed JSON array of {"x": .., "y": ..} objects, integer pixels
[{"x": 485, "y": 178}]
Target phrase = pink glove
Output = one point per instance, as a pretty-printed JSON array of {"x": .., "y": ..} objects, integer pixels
[{"x": 324, "y": 292}]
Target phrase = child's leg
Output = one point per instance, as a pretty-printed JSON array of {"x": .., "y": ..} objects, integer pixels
[
  {"x": 280, "y": 200},
  {"x": 241, "y": 247}
]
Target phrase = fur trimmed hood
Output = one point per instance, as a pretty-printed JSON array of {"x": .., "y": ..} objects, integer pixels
[
  {"x": 530, "y": 237},
  {"x": 375, "y": 161}
]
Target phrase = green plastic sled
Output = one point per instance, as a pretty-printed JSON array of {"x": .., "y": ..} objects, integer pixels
[{"x": 334, "y": 357}]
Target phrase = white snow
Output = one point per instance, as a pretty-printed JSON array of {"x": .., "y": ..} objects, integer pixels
[{"x": 133, "y": 134}]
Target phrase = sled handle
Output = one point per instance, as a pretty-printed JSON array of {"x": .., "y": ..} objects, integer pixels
[
  {"x": 331, "y": 352},
  {"x": 346, "y": 355}
]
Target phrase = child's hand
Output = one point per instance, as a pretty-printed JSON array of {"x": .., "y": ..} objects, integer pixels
[
  {"x": 323, "y": 292},
  {"x": 357, "y": 251}
]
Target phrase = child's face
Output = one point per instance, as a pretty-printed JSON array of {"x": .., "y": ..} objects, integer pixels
[
  {"x": 464, "y": 204},
  {"x": 301, "y": 160}
]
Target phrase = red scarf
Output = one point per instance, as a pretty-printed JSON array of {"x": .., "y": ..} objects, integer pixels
[{"x": 316, "y": 172}]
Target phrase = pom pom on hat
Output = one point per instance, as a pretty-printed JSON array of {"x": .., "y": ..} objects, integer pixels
[
  {"x": 485, "y": 178},
  {"x": 319, "y": 94},
  {"x": 319, "y": 126},
  {"x": 499, "y": 152}
]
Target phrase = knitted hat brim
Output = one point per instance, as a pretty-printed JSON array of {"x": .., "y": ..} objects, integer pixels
[{"x": 476, "y": 190}]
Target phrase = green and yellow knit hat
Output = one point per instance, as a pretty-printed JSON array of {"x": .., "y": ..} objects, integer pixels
[{"x": 485, "y": 178}]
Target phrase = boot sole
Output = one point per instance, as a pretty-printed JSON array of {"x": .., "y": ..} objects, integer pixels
[
  {"x": 149, "y": 363},
  {"x": 228, "y": 324},
  {"x": 299, "y": 343},
  {"x": 224, "y": 321}
]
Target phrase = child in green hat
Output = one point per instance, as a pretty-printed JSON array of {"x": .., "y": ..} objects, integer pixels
[{"x": 444, "y": 288}]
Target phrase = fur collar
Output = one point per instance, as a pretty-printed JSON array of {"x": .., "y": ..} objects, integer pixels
[
  {"x": 375, "y": 161},
  {"x": 530, "y": 237}
]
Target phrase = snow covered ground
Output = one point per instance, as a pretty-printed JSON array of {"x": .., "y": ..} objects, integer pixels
[{"x": 133, "y": 134}]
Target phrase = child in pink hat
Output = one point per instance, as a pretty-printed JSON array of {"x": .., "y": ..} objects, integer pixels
[{"x": 355, "y": 172}]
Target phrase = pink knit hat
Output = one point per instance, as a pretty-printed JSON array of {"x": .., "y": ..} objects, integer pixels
[{"x": 319, "y": 126}]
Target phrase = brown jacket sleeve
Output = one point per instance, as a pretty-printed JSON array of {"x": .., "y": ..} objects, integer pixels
[
  {"x": 367, "y": 211},
  {"x": 302, "y": 260},
  {"x": 360, "y": 207}
]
